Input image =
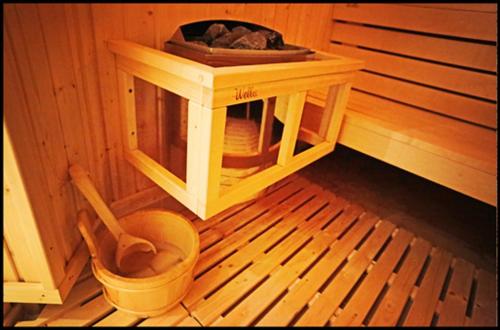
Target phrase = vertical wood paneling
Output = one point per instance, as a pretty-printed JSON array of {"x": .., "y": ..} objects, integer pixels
[
  {"x": 139, "y": 26},
  {"x": 108, "y": 25},
  {"x": 68, "y": 100},
  {"x": 81, "y": 35},
  {"x": 29, "y": 159},
  {"x": 23, "y": 237},
  {"x": 29, "y": 51}
]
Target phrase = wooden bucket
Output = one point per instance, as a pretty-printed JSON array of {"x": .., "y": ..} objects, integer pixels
[{"x": 160, "y": 287}]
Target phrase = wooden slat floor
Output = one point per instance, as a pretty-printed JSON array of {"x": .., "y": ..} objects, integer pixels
[{"x": 300, "y": 256}]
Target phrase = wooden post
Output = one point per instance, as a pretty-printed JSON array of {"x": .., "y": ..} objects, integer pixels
[
  {"x": 127, "y": 102},
  {"x": 292, "y": 124},
  {"x": 338, "y": 109},
  {"x": 204, "y": 155}
]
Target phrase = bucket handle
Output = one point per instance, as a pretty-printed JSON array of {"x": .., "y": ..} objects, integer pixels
[{"x": 87, "y": 232}]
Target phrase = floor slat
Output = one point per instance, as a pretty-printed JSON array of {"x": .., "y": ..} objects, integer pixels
[
  {"x": 359, "y": 305},
  {"x": 298, "y": 296},
  {"x": 331, "y": 298},
  {"x": 426, "y": 299},
  {"x": 392, "y": 305},
  {"x": 484, "y": 312},
  {"x": 455, "y": 303}
]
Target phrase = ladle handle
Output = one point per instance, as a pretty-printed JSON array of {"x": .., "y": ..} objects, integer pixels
[
  {"x": 87, "y": 188},
  {"x": 87, "y": 232}
]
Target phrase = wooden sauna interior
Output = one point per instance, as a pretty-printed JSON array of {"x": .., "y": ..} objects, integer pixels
[{"x": 301, "y": 253}]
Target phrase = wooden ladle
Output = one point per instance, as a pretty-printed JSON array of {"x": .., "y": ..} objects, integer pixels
[{"x": 128, "y": 244}]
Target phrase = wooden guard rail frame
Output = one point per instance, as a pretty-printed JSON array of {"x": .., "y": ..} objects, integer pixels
[{"x": 209, "y": 91}]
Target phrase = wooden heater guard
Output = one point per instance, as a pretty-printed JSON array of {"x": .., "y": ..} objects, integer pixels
[{"x": 209, "y": 91}]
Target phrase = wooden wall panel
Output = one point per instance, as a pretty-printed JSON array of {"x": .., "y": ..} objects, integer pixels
[
  {"x": 33, "y": 103},
  {"x": 457, "y": 23}
]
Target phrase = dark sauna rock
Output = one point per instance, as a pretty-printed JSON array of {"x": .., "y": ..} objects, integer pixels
[
  {"x": 213, "y": 32},
  {"x": 274, "y": 39},
  {"x": 253, "y": 40},
  {"x": 227, "y": 39},
  {"x": 240, "y": 30},
  {"x": 199, "y": 42}
]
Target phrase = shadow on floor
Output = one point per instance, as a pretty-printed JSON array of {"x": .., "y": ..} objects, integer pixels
[{"x": 458, "y": 223}]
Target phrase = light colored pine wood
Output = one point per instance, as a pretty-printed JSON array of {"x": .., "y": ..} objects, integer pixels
[
  {"x": 208, "y": 310},
  {"x": 337, "y": 110},
  {"x": 285, "y": 275},
  {"x": 455, "y": 79},
  {"x": 453, "y": 309},
  {"x": 457, "y": 106},
  {"x": 172, "y": 317},
  {"x": 127, "y": 91},
  {"x": 322, "y": 308},
  {"x": 167, "y": 181},
  {"x": 466, "y": 54},
  {"x": 117, "y": 318},
  {"x": 59, "y": 60},
  {"x": 139, "y": 200},
  {"x": 227, "y": 228},
  {"x": 73, "y": 270},
  {"x": 108, "y": 24},
  {"x": 189, "y": 322},
  {"x": 426, "y": 299},
  {"x": 209, "y": 281},
  {"x": 454, "y": 140},
  {"x": 266, "y": 126},
  {"x": 298, "y": 296},
  {"x": 294, "y": 107},
  {"x": 482, "y": 7},
  {"x": 9, "y": 268},
  {"x": 273, "y": 275},
  {"x": 21, "y": 232},
  {"x": 209, "y": 91},
  {"x": 81, "y": 37},
  {"x": 207, "y": 142},
  {"x": 272, "y": 174},
  {"x": 83, "y": 315},
  {"x": 391, "y": 306},
  {"x": 428, "y": 68},
  {"x": 81, "y": 292},
  {"x": 473, "y": 25},
  {"x": 429, "y": 165},
  {"x": 45, "y": 130},
  {"x": 359, "y": 305}
]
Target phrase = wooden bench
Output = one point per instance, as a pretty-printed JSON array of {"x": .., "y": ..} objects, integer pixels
[{"x": 426, "y": 100}]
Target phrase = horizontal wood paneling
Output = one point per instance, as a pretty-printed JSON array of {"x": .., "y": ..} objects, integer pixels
[
  {"x": 464, "y": 24},
  {"x": 456, "y": 52},
  {"x": 450, "y": 78},
  {"x": 449, "y": 104},
  {"x": 482, "y": 7}
]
